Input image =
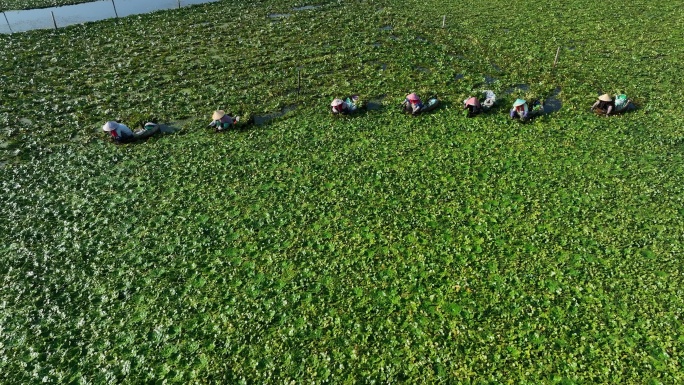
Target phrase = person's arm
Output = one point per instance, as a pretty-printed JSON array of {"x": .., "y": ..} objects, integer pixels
[
  {"x": 512, "y": 114},
  {"x": 609, "y": 110},
  {"x": 595, "y": 105}
]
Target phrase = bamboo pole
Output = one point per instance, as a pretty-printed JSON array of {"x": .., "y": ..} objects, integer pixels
[
  {"x": 115, "y": 12},
  {"x": 555, "y": 61},
  {"x": 443, "y": 21},
  {"x": 53, "y": 19},
  {"x": 299, "y": 81},
  {"x": 8, "y": 23}
]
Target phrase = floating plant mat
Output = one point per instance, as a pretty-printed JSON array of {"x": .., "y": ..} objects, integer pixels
[{"x": 382, "y": 248}]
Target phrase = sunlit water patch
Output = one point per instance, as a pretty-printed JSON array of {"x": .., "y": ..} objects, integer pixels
[
  {"x": 278, "y": 16},
  {"x": 47, "y": 18},
  {"x": 306, "y": 8}
]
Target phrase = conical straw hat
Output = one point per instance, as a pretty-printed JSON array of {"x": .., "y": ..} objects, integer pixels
[
  {"x": 519, "y": 102},
  {"x": 218, "y": 114},
  {"x": 110, "y": 126}
]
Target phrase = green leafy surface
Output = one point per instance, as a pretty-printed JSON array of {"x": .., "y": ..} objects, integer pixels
[{"x": 379, "y": 248}]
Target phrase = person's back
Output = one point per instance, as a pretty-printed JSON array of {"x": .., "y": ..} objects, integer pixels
[
  {"x": 222, "y": 121},
  {"x": 119, "y": 132},
  {"x": 520, "y": 109},
  {"x": 412, "y": 104},
  {"x": 472, "y": 105},
  {"x": 604, "y": 104},
  {"x": 621, "y": 102}
]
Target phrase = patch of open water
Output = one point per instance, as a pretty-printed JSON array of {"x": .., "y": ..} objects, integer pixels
[
  {"x": 517, "y": 87},
  {"x": 260, "y": 120},
  {"x": 306, "y": 8},
  {"x": 279, "y": 15},
  {"x": 48, "y": 18},
  {"x": 552, "y": 103},
  {"x": 375, "y": 104}
]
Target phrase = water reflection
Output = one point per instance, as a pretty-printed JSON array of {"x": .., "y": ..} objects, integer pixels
[{"x": 46, "y": 18}]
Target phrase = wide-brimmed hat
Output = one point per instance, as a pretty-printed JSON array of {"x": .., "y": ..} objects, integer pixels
[
  {"x": 110, "y": 126},
  {"x": 413, "y": 97},
  {"x": 519, "y": 102},
  {"x": 336, "y": 102},
  {"x": 605, "y": 98},
  {"x": 218, "y": 114},
  {"x": 471, "y": 101}
]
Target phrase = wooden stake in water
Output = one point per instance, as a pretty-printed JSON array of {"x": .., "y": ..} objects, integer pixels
[
  {"x": 178, "y": 4},
  {"x": 555, "y": 61},
  {"x": 53, "y": 19},
  {"x": 443, "y": 21},
  {"x": 299, "y": 81},
  {"x": 115, "y": 12},
  {"x": 8, "y": 24}
]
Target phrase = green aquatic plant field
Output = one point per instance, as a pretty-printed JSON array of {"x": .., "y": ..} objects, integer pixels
[
  {"x": 379, "y": 248},
  {"x": 8, "y": 5}
]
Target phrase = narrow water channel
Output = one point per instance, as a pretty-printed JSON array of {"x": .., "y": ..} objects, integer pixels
[{"x": 48, "y": 18}]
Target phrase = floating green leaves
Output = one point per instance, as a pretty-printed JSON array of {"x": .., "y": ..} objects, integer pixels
[{"x": 375, "y": 248}]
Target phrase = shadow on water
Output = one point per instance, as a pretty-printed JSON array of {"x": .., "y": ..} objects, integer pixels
[
  {"x": 458, "y": 76},
  {"x": 489, "y": 80},
  {"x": 382, "y": 66},
  {"x": 386, "y": 28},
  {"x": 423, "y": 40},
  {"x": 168, "y": 128},
  {"x": 517, "y": 88},
  {"x": 552, "y": 103},
  {"x": 260, "y": 120},
  {"x": 375, "y": 103}
]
